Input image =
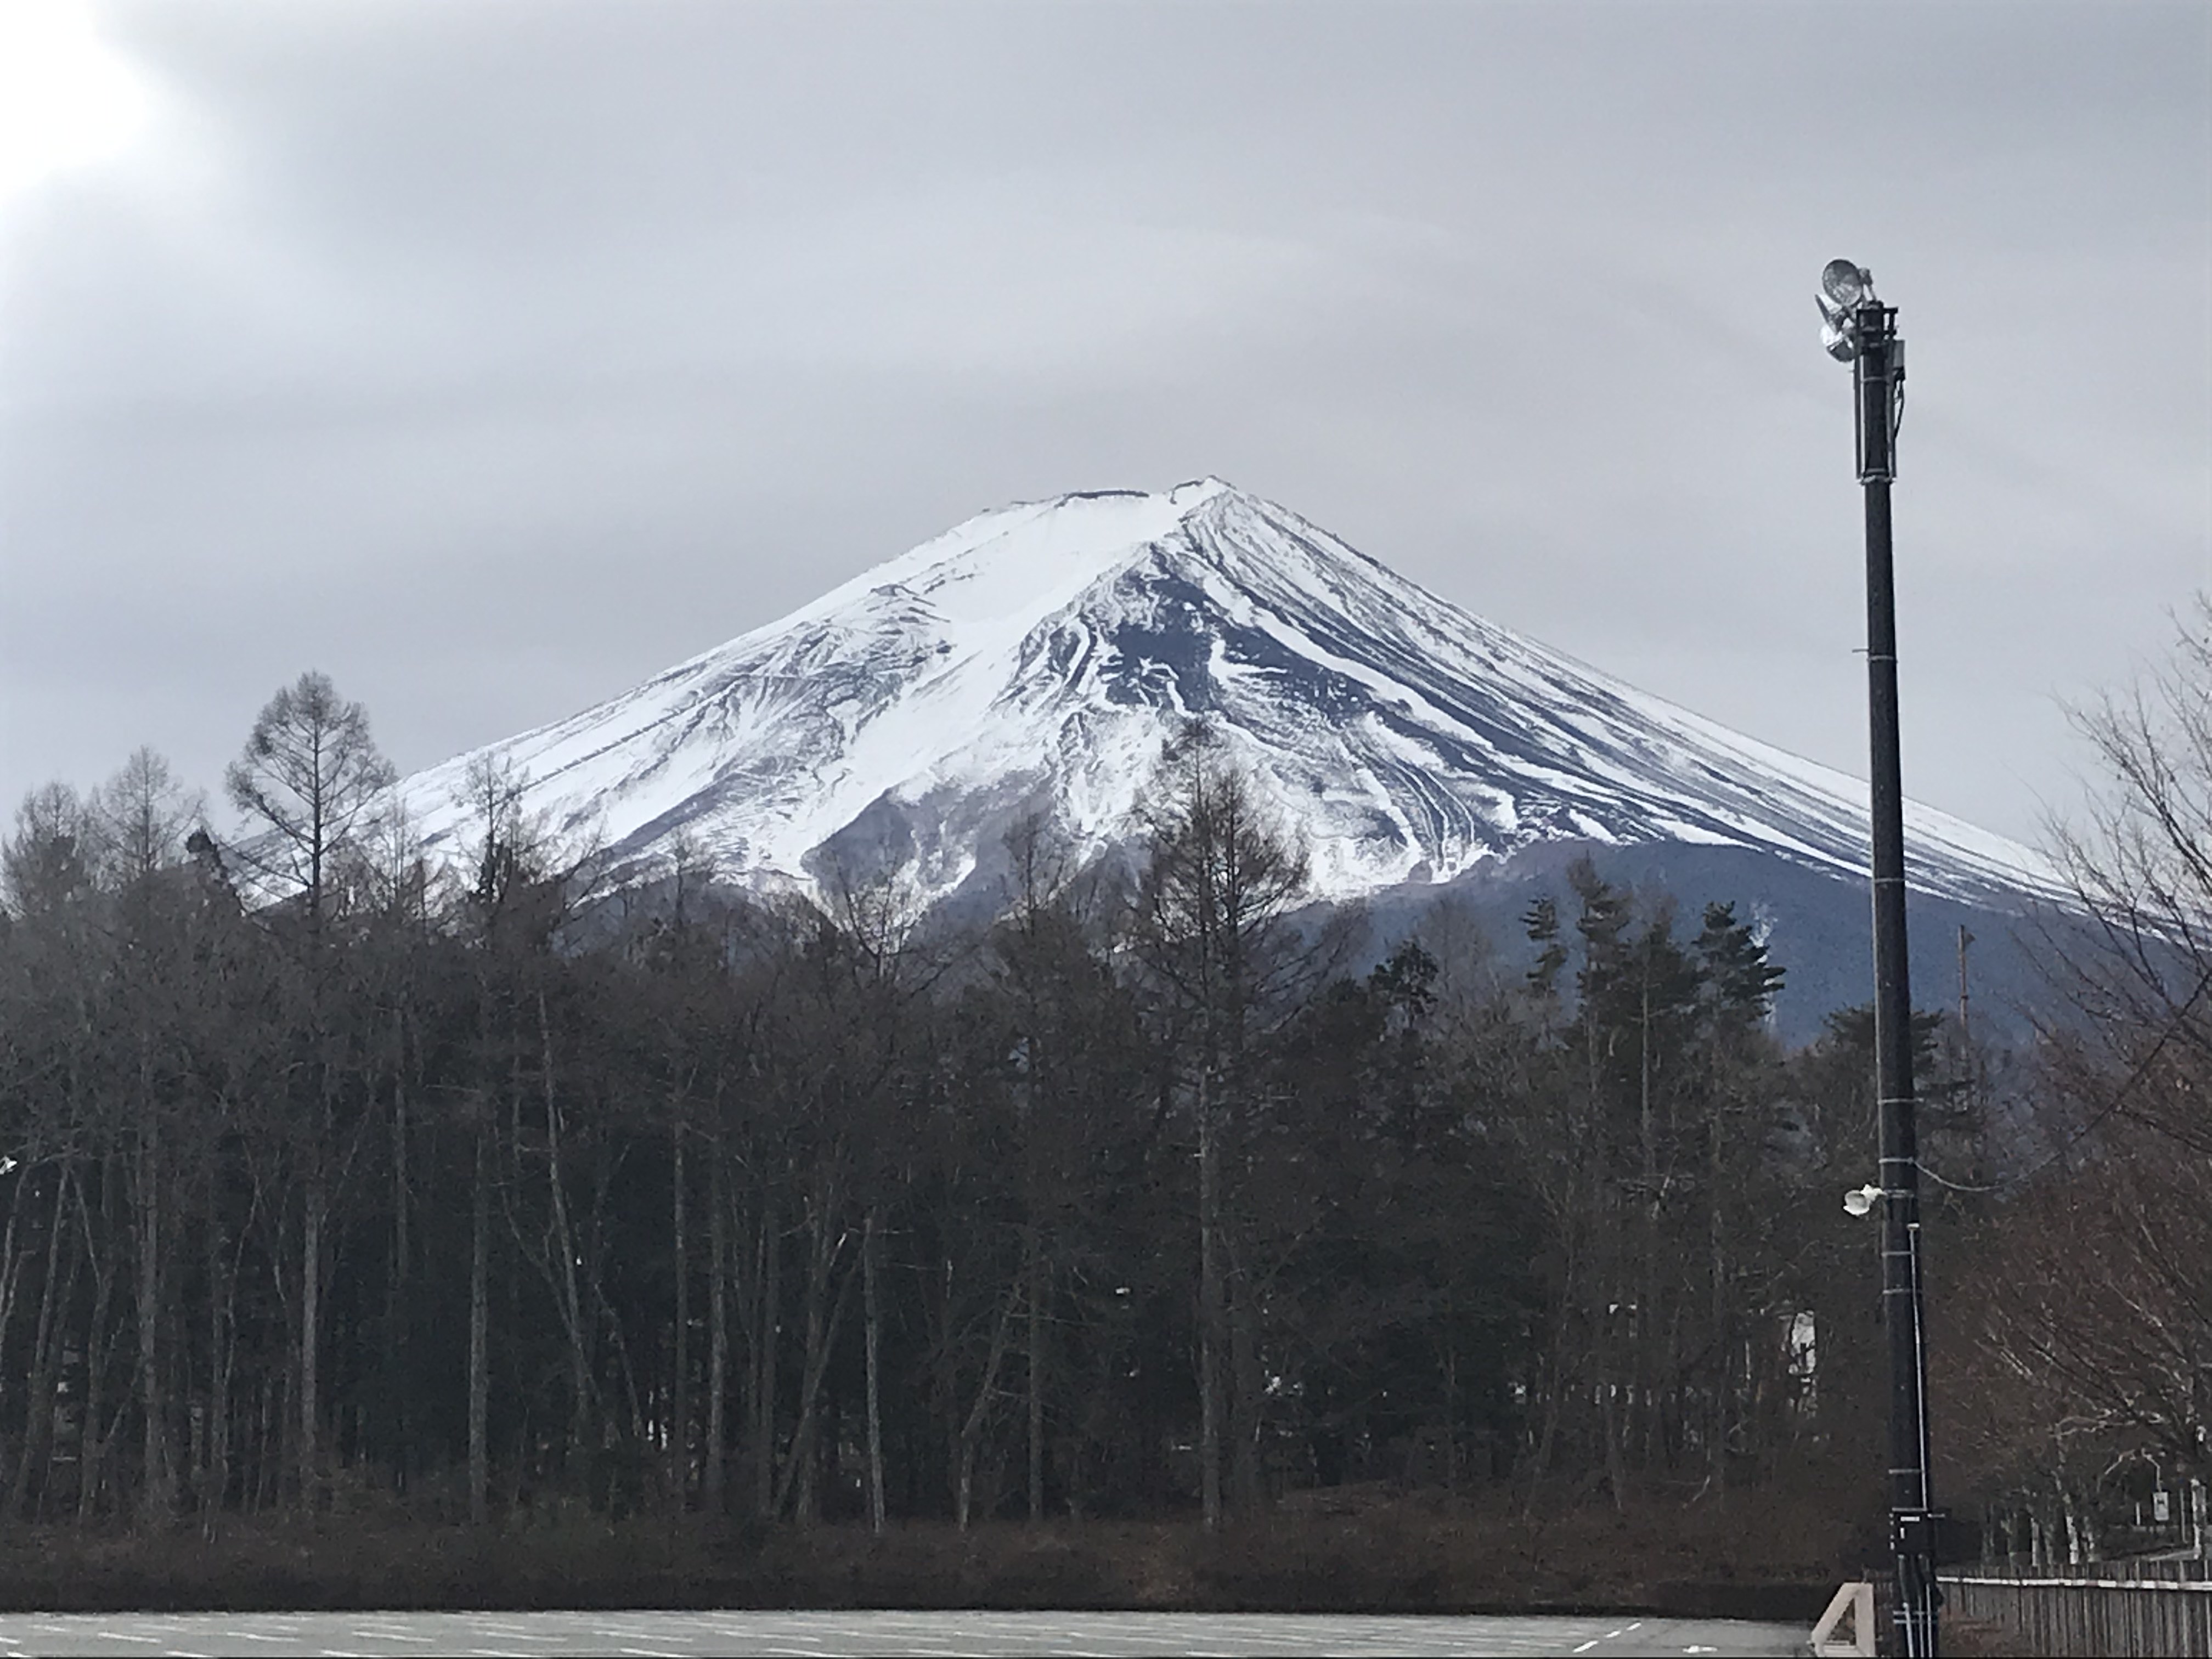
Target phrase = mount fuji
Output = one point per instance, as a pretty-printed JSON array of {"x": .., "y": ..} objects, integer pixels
[{"x": 1036, "y": 657}]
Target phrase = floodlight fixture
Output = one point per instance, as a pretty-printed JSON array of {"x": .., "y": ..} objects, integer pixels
[
  {"x": 1845, "y": 282},
  {"x": 1858, "y": 329},
  {"x": 1861, "y": 1199},
  {"x": 1844, "y": 287},
  {"x": 1839, "y": 335}
]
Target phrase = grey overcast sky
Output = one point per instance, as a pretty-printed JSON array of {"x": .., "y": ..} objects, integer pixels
[{"x": 491, "y": 355}]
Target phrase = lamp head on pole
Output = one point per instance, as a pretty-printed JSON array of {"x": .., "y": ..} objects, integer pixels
[
  {"x": 1844, "y": 287},
  {"x": 1846, "y": 283}
]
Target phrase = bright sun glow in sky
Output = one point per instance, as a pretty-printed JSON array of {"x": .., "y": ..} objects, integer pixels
[{"x": 65, "y": 99}]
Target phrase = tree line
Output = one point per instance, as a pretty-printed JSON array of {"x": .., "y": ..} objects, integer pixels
[{"x": 331, "y": 1171}]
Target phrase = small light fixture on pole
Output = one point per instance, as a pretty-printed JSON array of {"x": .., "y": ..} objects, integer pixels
[{"x": 1859, "y": 330}]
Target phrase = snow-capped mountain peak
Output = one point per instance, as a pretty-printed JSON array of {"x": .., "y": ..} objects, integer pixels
[{"x": 1038, "y": 657}]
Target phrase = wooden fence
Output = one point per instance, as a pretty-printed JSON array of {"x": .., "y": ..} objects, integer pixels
[{"x": 2108, "y": 1609}]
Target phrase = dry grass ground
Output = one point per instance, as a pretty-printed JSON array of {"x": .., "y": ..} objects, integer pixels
[{"x": 1354, "y": 1551}]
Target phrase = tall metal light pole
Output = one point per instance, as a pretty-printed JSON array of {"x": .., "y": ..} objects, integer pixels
[{"x": 1862, "y": 331}]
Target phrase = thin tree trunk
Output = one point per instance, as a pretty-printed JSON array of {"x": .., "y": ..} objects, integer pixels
[
  {"x": 798, "y": 1462},
  {"x": 157, "y": 1499},
  {"x": 479, "y": 1331},
  {"x": 1452, "y": 1396},
  {"x": 92, "y": 1444},
  {"x": 11, "y": 1259},
  {"x": 1211, "y": 1312},
  {"x": 1245, "y": 1392},
  {"x": 397, "y": 1303},
  {"x": 679, "y": 1435},
  {"x": 222, "y": 1346},
  {"x": 1616, "y": 1473},
  {"x": 571, "y": 1310},
  {"x": 401, "y": 1255},
  {"x": 311, "y": 1306},
  {"x": 798, "y": 1467},
  {"x": 971, "y": 1429},
  {"x": 38, "y": 1428},
  {"x": 1034, "y": 1292},
  {"x": 1554, "y": 1374},
  {"x": 1642, "y": 1398},
  {"x": 1717, "y": 1239},
  {"x": 276, "y": 1406},
  {"x": 718, "y": 1328},
  {"x": 769, "y": 1318},
  {"x": 874, "y": 1314}
]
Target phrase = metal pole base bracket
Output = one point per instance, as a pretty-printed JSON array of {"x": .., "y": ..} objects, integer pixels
[{"x": 1854, "y": 1603}]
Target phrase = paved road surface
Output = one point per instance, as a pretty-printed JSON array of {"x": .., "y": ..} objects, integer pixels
[{"x": 528, "y": 1635}]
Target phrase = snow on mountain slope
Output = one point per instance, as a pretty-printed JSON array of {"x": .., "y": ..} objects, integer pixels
[{"x": 1038, "y": 657}]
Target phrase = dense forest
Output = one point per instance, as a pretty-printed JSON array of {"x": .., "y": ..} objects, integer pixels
[{"x": 483, "y": 1182}]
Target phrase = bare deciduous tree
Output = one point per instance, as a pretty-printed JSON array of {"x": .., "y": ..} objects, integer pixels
[{"x": 310, "y": 778}]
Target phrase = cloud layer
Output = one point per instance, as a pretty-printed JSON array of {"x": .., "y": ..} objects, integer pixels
[{"x": 491, "y": 357}]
